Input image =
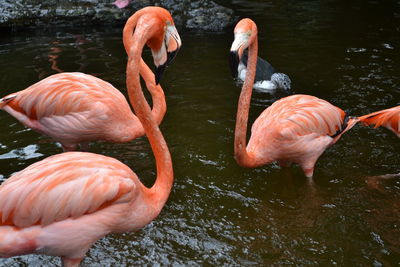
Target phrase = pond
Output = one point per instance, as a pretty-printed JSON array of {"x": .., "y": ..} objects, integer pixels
[{"x": 219, "y": 213}]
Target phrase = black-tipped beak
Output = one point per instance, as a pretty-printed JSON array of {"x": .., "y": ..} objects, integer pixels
[
  {"x": 160, "y": 69},
  {"x": 159, "y": 72},
  {"x": 234, "y": 63},
  {"x": 171, "y": 56}
]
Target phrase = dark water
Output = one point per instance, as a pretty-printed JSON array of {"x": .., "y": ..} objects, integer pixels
[{"x": 219, "y": 213}]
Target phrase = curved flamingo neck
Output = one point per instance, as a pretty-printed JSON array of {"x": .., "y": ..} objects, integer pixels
[
  {"x": 241, "y": 155},
  {"x": 159, "y": 192},
  {"x": 157, "y": 93},
  {"x": 128, "y": 31}
]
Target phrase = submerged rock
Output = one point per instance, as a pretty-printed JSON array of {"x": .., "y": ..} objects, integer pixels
[{"x": 194, "y": 15}]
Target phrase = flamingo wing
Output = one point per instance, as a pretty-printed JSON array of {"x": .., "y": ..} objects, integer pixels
[
  {"x": 74, "y": 100},
  {"x": 300, "y": 115},
  {"x": 74, "y": 108},
  {"x": 389, "y": 118},
  {"x": 66, "y": 185},
  {"x": 61, "y": 94}
]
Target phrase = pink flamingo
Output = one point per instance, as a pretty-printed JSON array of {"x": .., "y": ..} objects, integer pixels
[
  {"x": 63, "y": 204},
  {"x": 294, "y": 129},
  {"x": 76, "y": 108},
  {"x": 389, "y": 118}
]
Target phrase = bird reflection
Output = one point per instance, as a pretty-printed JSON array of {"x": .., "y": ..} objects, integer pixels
[
  {"x": 54, "y": 52},
  {"x": 53, "y": 56}
]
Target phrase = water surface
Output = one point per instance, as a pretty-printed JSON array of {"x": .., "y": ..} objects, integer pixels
[{"x": 219, "y": 213}]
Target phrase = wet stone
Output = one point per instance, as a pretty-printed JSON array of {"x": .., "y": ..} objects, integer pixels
[{"x": 193, "y": 15}]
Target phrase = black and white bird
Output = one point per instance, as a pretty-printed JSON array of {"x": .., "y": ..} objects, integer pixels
[{"x": 267, "y": 79}]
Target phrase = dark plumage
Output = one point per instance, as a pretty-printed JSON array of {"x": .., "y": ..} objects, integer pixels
[{"x": 266, "y": 78}]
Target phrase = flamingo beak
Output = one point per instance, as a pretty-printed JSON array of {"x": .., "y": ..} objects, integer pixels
[
  {"x": 172, "y": 44},
  {"x": 240, "y": 43},
  {"x": 159, "y": 72},
  {"x": 161, "y": 68},
  {"x": 234, "y": 63}
]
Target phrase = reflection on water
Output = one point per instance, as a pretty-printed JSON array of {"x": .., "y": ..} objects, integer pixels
[{"x": 219, "y": 213}]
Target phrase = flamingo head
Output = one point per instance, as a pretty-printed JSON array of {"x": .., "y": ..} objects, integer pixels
[
  {"x": 245, "y": 33},
  {"x": 164, "y": 42}
]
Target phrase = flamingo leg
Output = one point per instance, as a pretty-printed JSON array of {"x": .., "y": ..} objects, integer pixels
[
  {"x": 310, "y": 181},
  {"x": 309, "y": 172},
  {"x": 308, "y": 165},
  {"x": 308, "y": 169}
]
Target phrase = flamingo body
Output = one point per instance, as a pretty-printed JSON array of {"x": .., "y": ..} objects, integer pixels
[
  {"x": 64, "y": 203},
  {"x": 75, "y": 108},
  {"x": 388, "y": 118},
  {"x": 296, "y": 129}
]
